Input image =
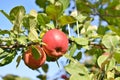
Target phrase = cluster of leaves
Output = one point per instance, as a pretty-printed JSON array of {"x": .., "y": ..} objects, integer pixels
[{"x": 91, "y": 41}]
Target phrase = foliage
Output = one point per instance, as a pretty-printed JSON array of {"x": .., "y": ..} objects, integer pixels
[{"x": 28, "y": 29}]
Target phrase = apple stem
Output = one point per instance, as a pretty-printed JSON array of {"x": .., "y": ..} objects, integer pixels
[
  {"x": 77, "y": 29},
  {"x": 69, "y": 30}
]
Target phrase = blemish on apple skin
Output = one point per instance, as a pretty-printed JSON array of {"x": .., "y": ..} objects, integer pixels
[{"x": 58, "y": 49}]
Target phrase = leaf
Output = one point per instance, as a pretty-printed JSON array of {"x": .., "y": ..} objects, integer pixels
[
  {"x": 78, "y": 56},
  {"x": 110, "y": 75},
  {"x": 3, "y": 54},
  {"x": 117, "y": 57},
  {"x": 43, "y": 19},
  {"x": 2, "y": 32},
  {"x": 14, "y": 77},
  {"x": 73, "y": 49},
  {"x": 1, "y": 50},
  {"x": 81, "y": 41},
  {"x": 114, "y": 29},
  {"x": 42, "y": 3},
  {"x": 102, "y": 30},
  {"x": 53, "y": 11},
  {"x": 101, "y": 60},
  {"x": 22, "y": 39},
  {"x": 64, "y": 20},
  {"x": 65, "y": 3},
  {"x": 111, "y": 64},
  {"x": 6, "y": 15},
  {"x": 118, "y": 68},
  {"x": 80, "y": 17},
  {"x": 77, "y": 71},
  {"x": 45, "y": 68},
  {"x": 79, "y": 77},
  {"x": 33, "y": 35},
  {"x": 16, "y": 15},
  {"x": 35, "y": 52},
  {"x": 118, "y": 78},
  {"x": 75, "y": 67},
  {"x": 110, "y": 41},
  {"x": 33, "y": 13},
  {"x": 42, "y": 77},
  {"x": 19, "y": 58},
  {"x": 7, "y": 59}
]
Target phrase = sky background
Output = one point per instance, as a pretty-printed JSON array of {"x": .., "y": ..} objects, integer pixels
[{"x": 23, "y": 70}]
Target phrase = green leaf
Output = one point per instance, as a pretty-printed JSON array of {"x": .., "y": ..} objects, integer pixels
[
  {"x": 36, "y": 53},
  {"x": 43, "y": 19},
  {"x": 53, "y": 11},
  {"x": 117, "y": 57},
  {"x": 110, "y": 75},
  {"x": 3, "y": 54},
  {"x": 81, "y": 41},
  {"x": 64, "y": 20},
  {"x": 7, "y": 59},
  {"x": 33, "y": 35},
  {"x": 45, "y": 68},
  {"x": 14, "y": 77},
  {"x": 2, "y": 32},
  {"x": 19, "y": 58},
  {"x": 1, "y": 50},
  {"x": 75, "y": 67},
  {"x": 42, "y": 77},
  {"x": 42, "y": 3},
  {"x": 6, "y": 15},
  {"x": 102, "y": 30},
  {"x": 16, "y": 15},
  {"x": 78, "y": 56},
  {"x": 33, "y": 13},
  {"x": 22, "y": 39},
  {"x": 65, "y": 3},
  {"x": 110, "y": 41},
  {"x": 101, "y": 60},
  {"x": 82, "y": 6},
  {"x": 114, "y": 29},
  {"x": 79, "y": 77},
  {"x": 111, "y": 64},
  {"x": 73, "y": 49},
  {"x": 118, "y": 68},
  {"x": 80, "y": 18},
  {"x": 118, "y": 78}
]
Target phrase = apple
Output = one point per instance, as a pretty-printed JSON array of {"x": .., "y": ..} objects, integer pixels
[
  {"x": 56, "y": 43},
  {"x": 31, "y": 61},
  {"x": 64, "y": 76},
  {"x": 106, "y": 54}
]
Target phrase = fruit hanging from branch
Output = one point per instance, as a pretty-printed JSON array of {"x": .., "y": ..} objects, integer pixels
[
  {"x": 31, "y": 61},
  {"x": 56, "y": 43}
]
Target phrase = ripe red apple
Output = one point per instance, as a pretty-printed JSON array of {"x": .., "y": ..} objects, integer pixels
[
  {"x": 56, "y": 43},
  {"x": 31, "y": 61}
]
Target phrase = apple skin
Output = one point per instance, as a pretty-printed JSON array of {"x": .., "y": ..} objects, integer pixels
[
  {"x": 30, "y": 61},
  {"x": 56, "y": 43},
  {"x": 106, "y": 54}
]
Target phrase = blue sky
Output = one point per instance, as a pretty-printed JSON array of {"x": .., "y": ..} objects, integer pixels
[{"x": 22, "y": 70}]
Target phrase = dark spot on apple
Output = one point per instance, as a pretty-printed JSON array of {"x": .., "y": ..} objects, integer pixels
[{"x": 58, "y": 49}]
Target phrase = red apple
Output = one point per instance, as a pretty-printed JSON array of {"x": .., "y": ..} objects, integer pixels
[
  {"x": 56, "y": 43},
  {"x": 31, "y": 61}
]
